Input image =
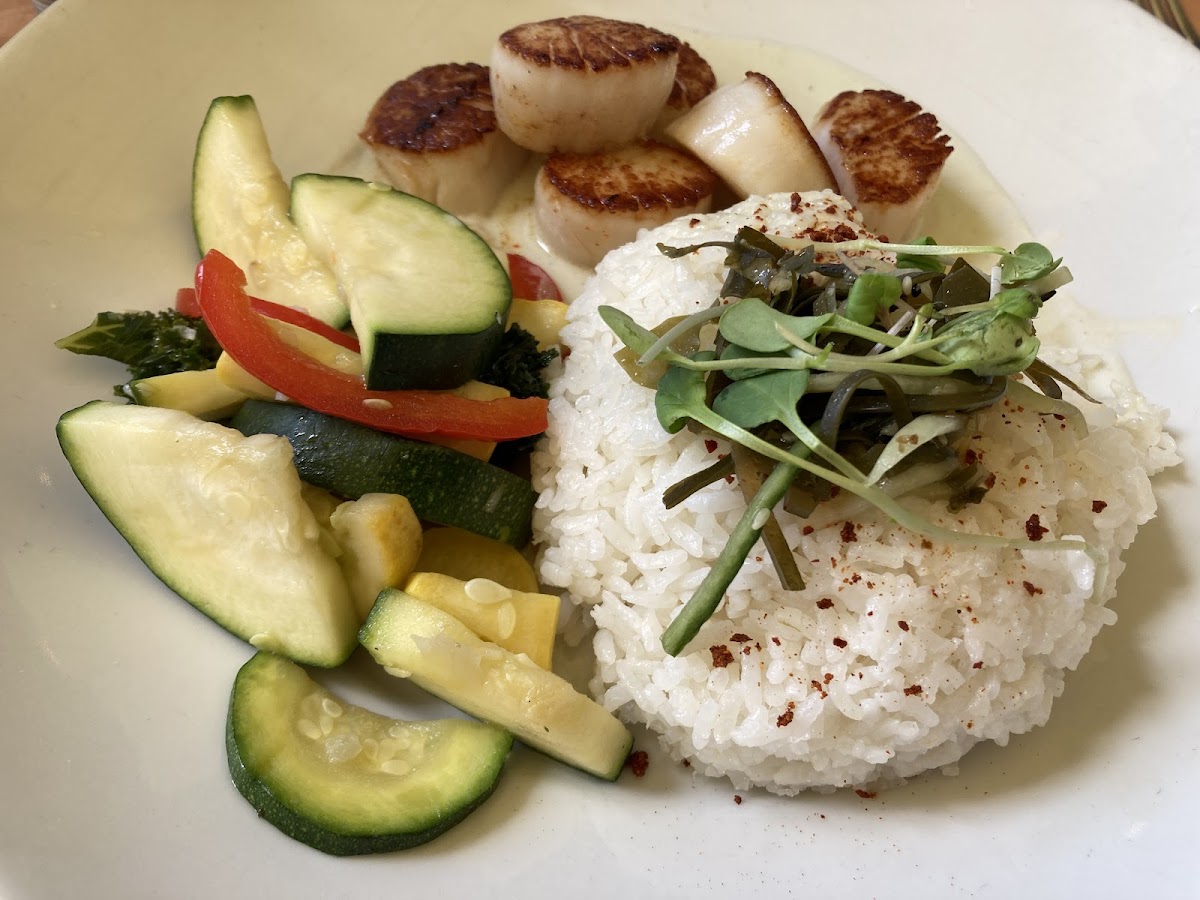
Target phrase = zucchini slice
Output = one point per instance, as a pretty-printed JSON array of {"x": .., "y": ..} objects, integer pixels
[
  {"x": 240, "y": 207},
  {"x": 463, "y": 555},
  {"x": 519, "y": 622},
  {"x": 200, "y": 393},
  {"x": 345, "y": 780},
  {"x": 413, "y": 639},
  {"x": 428, "y": 297},
  {"x": 219, "y": 518},
  {"x": 443, "y": 485}
]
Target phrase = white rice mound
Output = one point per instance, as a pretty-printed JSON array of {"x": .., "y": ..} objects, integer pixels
[{"x": 901, "y": 653}]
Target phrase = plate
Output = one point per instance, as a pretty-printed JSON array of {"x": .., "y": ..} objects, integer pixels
[{"x": 113, "y": 781}]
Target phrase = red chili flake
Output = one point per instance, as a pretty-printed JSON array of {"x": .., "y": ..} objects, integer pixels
[
  {"x": 757, "y": 645},
  {"x": 729, "y": 479},
  {"x": 913, "y": 690},
  {"x": 796, "y": 204},
  {"x": 693, "y": 222},
  {"x": 739, "y": 638},
  {"x": 839, "y": 642},
  {"x": 776, "y": 641},
  {"x": 855, "y": 578},
  {"x": 870, "y": 585},
  {"x": 710, "y": 445},
  {"x": 1031, "y": 589},
  {"x": 687, "y": 763},
  {"x": 807, "y": 530},
  {"x": 970, "y": 724},
  {"x": 989, "y": 482},
  {"x": 926, "y": 545},
  {"x": 977, "y": 665},
  {"x": 1098, "y": 506},
  {"x": 786, "y": 718},
  {"x": 866, "y": 795},
  {"x": 970, "y": 457},
  {"x": 849, "y": 533},
  {"x": 721, "y": 657},
  {"x": 737, "y": 798},
  {"x": 745, "y": 651},
  {"x": 638, "y": 762},
  {"x": 828, "y": 677},
  {"x": 825, "y": 603},
  {"x": 820, "y": 688},
  {"x": 1034, "y": 528},
  {"x": 903, "y": 625},
  {"x": 835, "y": 490},
  {"x": 1059, "y": 416}
]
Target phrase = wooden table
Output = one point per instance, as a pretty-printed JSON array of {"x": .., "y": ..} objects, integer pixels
[{"x": 14, "y": 15}]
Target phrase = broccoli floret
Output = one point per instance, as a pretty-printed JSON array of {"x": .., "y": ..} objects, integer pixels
[
  {"x": 518, "y": 366},
  {"x": 148, "y": 343}
]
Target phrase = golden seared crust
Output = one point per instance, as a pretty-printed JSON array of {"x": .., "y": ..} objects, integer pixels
[
  {"x": 772, "y": 91},
  {"x": 694, "y": 79},
  {"x": 588, "y": 42},
  {"x": 890, "y": 147},
  {"x": 646, "y": 175},
  {"x": 438, "y": 108}
]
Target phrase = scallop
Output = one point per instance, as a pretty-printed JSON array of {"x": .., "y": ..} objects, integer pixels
[
  {"x": 694, "y": 80},
  {"x": 588, "y": 204},
  {"x": 887, "y": 154},
  {"x": 435, "y": 135},
  {"x": 581, "y": 84},
  {"x": 751, "y": 136}
]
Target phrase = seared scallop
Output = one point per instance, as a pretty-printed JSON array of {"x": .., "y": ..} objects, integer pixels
[
  {"x": 588, "y": 204},
  {"x": 581, "y": 83},
  {"x": 694, "y": 80},
  {"x": 887, "y": 154},
  {"x": 435, "y": 135},
  {"x": 754, "y": 139}
]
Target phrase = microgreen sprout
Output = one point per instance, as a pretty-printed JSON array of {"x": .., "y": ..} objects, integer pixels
[{"x": 815, "y": 359}]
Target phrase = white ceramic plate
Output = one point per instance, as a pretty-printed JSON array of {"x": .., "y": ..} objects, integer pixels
[{"x": 113, "y": 691}]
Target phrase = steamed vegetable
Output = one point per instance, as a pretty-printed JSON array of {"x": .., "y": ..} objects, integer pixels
[
  {"x": 220, "y": 286},
  {"x": 149, "y": 343},
  {"x": 346, "y": 780}
]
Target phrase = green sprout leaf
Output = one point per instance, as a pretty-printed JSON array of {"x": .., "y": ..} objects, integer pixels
[
  {"x": 1029, "y": 262},
  {"x": 680, "y": 394},
  {"x": 756, "y": 326},
  {"x": 998, "y": 340},
  {"x": 871, "y": 293}
]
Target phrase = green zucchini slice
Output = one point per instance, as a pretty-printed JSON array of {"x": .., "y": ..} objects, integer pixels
[
  {"x": 219, "y": 518},
  {"x": 427, "y": 296},
  {"x": 345, "y": 780},
  {"x": 443, "y": 485},
  {"x": 240, "y": 207},
  {"x": 416, "y": 640}
]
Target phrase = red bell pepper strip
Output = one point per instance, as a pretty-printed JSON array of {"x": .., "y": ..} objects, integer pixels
[
  {"x": 530, "y": 281},
  {"x": 188, "y": 303},
  {"x": 245, "y": 336}
]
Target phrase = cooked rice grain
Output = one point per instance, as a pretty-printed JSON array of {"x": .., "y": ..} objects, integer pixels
[{"x": 901, "y": 653}]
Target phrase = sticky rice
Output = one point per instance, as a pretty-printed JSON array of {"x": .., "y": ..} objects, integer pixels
[{"x": 901, "y": 653}]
